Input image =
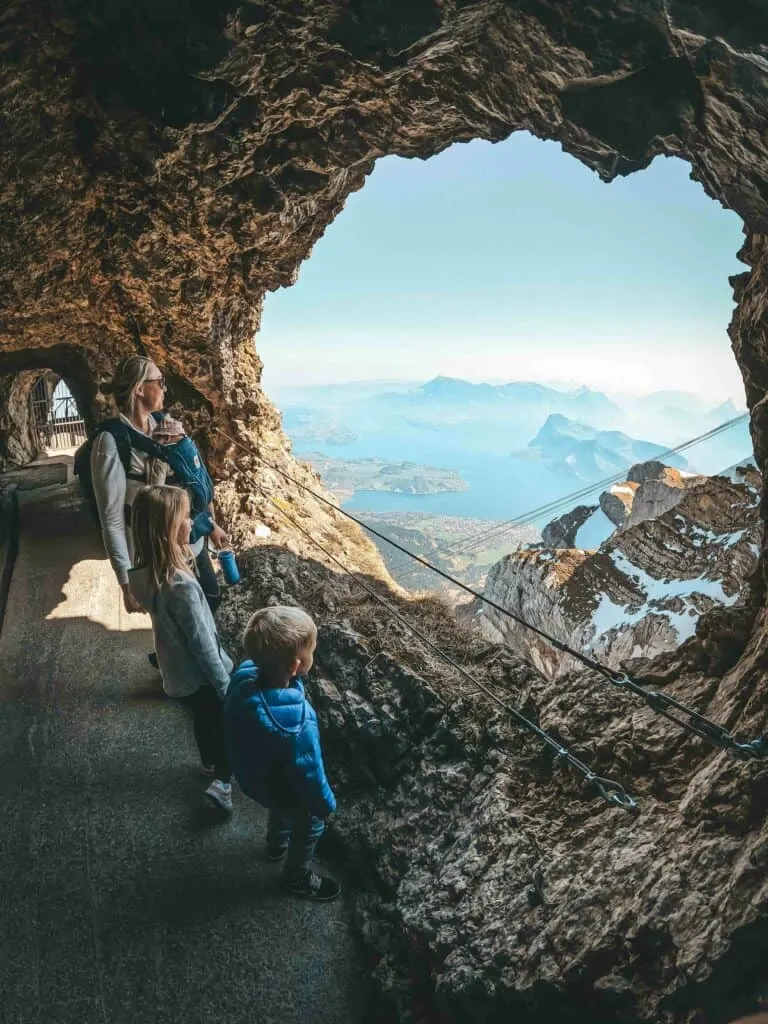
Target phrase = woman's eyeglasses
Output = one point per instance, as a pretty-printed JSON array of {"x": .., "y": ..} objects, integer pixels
[{"x": 157, "y": 380}]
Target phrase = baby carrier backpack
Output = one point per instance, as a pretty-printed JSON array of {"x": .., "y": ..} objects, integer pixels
[{"x": 183, "y": 458}]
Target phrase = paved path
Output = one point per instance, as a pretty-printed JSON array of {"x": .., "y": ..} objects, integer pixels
[{"x": 121, "y": 900}]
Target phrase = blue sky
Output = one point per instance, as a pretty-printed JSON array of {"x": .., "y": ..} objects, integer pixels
[{"x": 514, "y": 262}]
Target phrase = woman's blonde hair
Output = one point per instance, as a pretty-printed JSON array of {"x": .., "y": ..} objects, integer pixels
[
  {"x": 129, "y": 374},
  {"x": 157, "y": 516},
  {"x": 276, "y": 636}
]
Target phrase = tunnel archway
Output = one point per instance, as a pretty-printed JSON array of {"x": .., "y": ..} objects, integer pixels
[
  {"x": 39, "y": 415},
  {"x": 56, "y": 419},
  {"x": 28, "y": 420}
]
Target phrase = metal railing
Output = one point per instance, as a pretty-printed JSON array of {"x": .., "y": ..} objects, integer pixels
[{"x": 56, "y": 420}]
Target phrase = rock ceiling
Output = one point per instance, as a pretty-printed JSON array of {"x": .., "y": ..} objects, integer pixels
[{"x": 166, "y": 162}]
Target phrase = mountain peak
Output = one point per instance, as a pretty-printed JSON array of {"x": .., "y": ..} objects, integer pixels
[
  {"x": 725, "y": 411},
  {"x": 557, "y": 427},
  {"x": 590, "y": 453},
  {"x": 454, "y": 388}
]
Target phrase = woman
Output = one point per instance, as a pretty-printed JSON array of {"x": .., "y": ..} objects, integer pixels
[{"x": 139, "y": 391}]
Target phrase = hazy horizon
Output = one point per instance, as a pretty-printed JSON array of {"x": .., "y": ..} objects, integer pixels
[
  {"x": 512, "y": 261},
  {"x": 618, "y": 395}
]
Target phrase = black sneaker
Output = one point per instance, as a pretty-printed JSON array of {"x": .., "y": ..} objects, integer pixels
[
  {"x": 152, "y": 659},
  {"x": 275, "y": 853},
  {"x": 312, "y": 887}
]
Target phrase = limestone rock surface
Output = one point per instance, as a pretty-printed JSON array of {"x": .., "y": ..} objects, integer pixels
[
  {"x": 651, "y": 488},
  {"x": 659, "y": 489},
  {"x": 645, "y": 589},
  {"x": 561, "y": 532},
  {"x": 617, "y": 502},
  {"x": 491, "y": 884}
]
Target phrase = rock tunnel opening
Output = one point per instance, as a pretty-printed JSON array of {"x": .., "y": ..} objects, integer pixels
[
  {"x": 57, "y": 422},
  {"x": 445, "y": 279},
  {"x": 47, "y": 404}
]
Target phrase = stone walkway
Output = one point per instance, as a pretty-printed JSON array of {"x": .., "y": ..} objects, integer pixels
[{"x": 121, "y": 900}]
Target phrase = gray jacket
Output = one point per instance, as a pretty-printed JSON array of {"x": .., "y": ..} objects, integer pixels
[{"x": 188, "y": 650}]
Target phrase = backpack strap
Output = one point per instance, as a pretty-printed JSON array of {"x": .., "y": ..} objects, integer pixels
[
  {"x": 145, "y": 444},
  {"x": 128, "y": 437},
  {"x": 122, "y": 437}
]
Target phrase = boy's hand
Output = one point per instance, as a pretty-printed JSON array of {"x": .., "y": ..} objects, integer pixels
[{"x": 218, "y": 537}]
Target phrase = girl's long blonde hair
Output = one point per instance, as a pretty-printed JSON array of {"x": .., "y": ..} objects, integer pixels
[
  {"x": 132, "y": 372},
  {"x": 157, "y": 517}
]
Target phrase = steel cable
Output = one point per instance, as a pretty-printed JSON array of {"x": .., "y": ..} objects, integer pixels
[
  {"x": 696, "y": 724},
  {"x": 612, "y": 792}
]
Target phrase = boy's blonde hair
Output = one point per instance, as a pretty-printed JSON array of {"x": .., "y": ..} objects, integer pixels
[
  {"x": 275, "y": 636},
  {"x": 157, "y": 515}
]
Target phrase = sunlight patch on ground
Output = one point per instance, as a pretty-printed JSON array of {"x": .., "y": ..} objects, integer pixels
[{"x": 92, "y": 593}]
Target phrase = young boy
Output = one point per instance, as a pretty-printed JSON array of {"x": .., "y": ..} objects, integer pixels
[{"x": 274, "y": 744}]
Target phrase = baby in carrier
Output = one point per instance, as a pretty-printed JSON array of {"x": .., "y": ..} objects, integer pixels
[{"x": 185, "y": 469}]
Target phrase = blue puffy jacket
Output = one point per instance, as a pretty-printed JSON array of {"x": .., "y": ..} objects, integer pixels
[{"x": 274, "y": 744}]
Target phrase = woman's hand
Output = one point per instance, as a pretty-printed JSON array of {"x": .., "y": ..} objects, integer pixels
[
  {"x": 218, "y": 538},
  {"x": 131, "y": 604}
]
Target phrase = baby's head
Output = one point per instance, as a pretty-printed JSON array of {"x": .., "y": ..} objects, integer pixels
[
  {"x": 281, "y": 640},
  {"x": 169, "y": 431}
]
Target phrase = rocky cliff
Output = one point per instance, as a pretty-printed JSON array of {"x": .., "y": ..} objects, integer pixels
[
  {"x": 163, "y": 166},
  {"x": 489, "y": 883},
  {"x": 650, "y": 489},
  {"x": 645, "y": 589},
  {"x": 562, "y": 531},
  {"x": 656, "y": 489}
]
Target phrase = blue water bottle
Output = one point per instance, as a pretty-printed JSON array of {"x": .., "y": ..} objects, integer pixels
[{"x": 228, "y": 564}]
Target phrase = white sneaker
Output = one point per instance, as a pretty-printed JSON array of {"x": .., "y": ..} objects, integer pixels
[{"x": 220, "y": 793}]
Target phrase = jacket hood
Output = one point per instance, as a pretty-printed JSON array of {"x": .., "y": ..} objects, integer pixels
[
  {"x": 142, "y": 587},
  {"x": 286, "y": 706}
]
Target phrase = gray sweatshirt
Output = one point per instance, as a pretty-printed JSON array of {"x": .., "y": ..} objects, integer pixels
[{"x": 188, "y": 650}]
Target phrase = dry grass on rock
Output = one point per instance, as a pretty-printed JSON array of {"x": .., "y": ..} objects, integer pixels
[{"x": 273, "y": 575}]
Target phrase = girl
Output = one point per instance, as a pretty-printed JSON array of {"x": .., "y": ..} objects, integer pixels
[
  {"x": 194, "y": 667},
  {"x": 139, "y": 391}
]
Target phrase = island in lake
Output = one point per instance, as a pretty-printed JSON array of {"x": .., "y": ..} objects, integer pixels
[{"x": 345, "y": 476}]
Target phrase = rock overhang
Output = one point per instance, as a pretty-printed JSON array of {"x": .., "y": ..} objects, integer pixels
[{"x": 165, "y": 162}]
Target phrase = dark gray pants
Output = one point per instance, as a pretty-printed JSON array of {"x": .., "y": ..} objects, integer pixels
[
  {"x": 300, "y": 832},
  {"x": 208, "y": 726}
]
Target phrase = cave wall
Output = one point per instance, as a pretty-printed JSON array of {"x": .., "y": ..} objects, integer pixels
[
  {"x": 18, "y": 439},
  {"x": 165, "y": 165}
]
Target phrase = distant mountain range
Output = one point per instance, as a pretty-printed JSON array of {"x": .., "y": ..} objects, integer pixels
[
  {"x": 516, "y": 445},
  {"x": 446, "y": 401},
  {"x": 578, "y": 449},
  {"x": 516, "y": 393},
  {"x": 683, "y": 404}
]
